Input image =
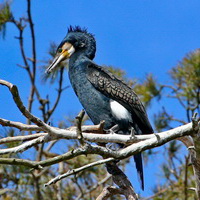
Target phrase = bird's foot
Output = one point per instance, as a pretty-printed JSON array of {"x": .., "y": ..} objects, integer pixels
[
  {"x": 132, "y": 135},
  {"x": 113, "y": 129},
  {"x": 110, "y": 131}
]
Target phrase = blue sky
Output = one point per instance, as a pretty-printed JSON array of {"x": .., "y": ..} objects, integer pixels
[{"x": 138, "y": 36}]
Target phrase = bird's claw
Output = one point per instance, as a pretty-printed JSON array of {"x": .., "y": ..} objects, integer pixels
[
  {"x": 110, "y": 131},
  {"x": 132, "y": 135}
]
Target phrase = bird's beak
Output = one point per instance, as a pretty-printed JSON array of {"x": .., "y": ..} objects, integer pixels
[{"x": 65, "y": 54}]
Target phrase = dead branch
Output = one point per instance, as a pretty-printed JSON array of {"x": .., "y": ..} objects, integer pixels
[
  {"x": 21, "y": 138},
  {"x": 188, "y": 134},
  {"x": 122, "y": 181},
  {"x": 195, "y": 153},
  {"x": 108, "y": 192},
  {"x": 19, "y": 125},
  {"x": 108, "y": 177},
  {"x": 77, "y": 170},
  {"x": 70, "y": 133},
  {"x": 150, "y": 141},
  {"x": 79, "y": 119},
  {"x": 59, "y": 90},
  {"x": 14, "y": 91},
  {"x": 22, "y": 162},
  {"x": 23, "y": 146}
]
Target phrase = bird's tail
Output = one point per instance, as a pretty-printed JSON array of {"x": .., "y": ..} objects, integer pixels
[{"x": 139, "y": 167}]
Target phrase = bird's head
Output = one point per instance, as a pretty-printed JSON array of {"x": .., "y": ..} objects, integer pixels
[{"x": 76, "y": 40}]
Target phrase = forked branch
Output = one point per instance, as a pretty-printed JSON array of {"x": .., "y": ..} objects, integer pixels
[{"x": 188, "y": 134}]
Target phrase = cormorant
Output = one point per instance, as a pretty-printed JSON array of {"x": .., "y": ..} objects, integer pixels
[{"x": 103, "y": 96}]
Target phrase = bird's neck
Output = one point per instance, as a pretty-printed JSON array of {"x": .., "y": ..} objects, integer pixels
[
  {"x": 87, "y": 52},
  {"x": 80, "y": 56},
  {"x": 76, "y": 62},
  {"x": 77, "y": 56}
]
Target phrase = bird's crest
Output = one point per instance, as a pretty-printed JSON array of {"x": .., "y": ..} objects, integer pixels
[{"x": 78, "y": 29}]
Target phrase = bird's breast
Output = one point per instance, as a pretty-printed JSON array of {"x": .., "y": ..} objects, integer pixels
[{"x": 94, "y": 102}]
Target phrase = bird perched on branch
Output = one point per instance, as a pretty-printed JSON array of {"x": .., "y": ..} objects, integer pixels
[{"x": 103, "y": 96}]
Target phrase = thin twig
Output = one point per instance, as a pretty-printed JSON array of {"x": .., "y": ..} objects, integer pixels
[
  {"x": 14, "y": 91},
  {"x": 60, "y": 90},
  {"x": 157, "y": 194},
  {"x": 77, "y": 170},
  {"x": 31, "y": 25},
  {"x": 108, "y": 177},
  {"x": 21, "y": 162}
]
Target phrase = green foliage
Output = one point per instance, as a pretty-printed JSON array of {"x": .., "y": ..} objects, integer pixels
[
  {"x": 186, "y": 79},
  {"x": 5, "y": 16},
  {"x": 173, "y": 148},
  {"x": 185, "y": 88},
  {"x": 121, "y": 74},
  {"x": 176, "y": 188},
  {"x": 162, "y": 121},
  {"x": 148, "y": 90},
  {"x": 9, "y": 132},
  {"x": 187, "y": 74}
]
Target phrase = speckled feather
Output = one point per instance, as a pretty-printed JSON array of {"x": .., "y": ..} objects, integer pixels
[{"x": 116, "y": 89}]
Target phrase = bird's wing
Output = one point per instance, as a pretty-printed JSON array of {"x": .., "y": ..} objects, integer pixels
[{"x": 114, "y": 88}]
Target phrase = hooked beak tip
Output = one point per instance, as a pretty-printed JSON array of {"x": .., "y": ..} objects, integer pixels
[
  {"x": 47, "y": 71},
  {"x": 53, "y": 65}
]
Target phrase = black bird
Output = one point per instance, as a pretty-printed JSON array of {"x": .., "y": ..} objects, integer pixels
[{"x": 103, "y": 96}]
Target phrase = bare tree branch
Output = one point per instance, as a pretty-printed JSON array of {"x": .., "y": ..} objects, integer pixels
[
  {"x": 23, "y": 146},
  {"x": 22, "y": 162},
  {"x": 108, "y": 192},
  {"x": 108, "y": 177},
  {"x": 122, "y": 181},
  {"x": 19, "y": 125},
  {"x": 77, "y": 170},
  {"x": 21, "y": 138},
  {"x": 79, "y": 119},
  {"x": 143, "y": 141},
  {"x": 195, "y": 153},
  {"x": 156, "y": 140},
  {"x": 14, "y": 91},
  {"x": 188, "y": 134},
  {"x": 31, "y": 25},
  {"x": 60, "y": 90}
]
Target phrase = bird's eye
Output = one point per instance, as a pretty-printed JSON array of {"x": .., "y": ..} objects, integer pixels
[{"x": 60, "y": 50}]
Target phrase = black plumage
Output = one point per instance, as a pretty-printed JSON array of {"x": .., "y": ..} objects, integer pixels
[{"x": 99, "y": 91}]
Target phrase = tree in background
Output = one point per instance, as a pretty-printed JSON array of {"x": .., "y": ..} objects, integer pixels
[
  {"x": 184, "y": 88},
  {"x": 26, "y": 181}
]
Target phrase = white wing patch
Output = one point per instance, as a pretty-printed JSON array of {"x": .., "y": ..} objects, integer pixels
[{"x": 119, "y": 111}]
